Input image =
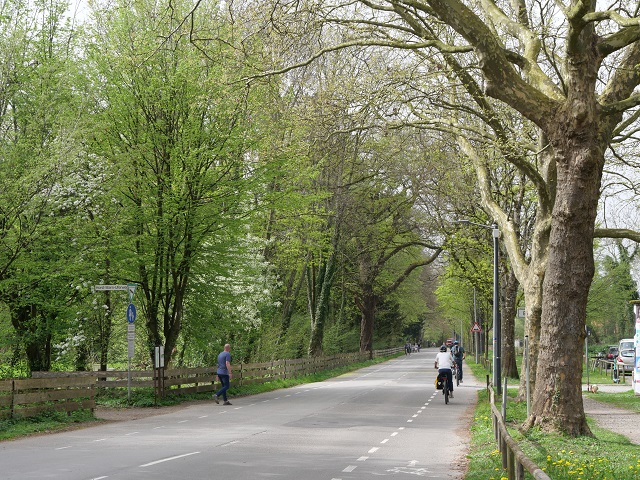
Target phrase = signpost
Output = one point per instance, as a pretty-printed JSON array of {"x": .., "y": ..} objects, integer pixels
[{"x": 130, "y": 288}]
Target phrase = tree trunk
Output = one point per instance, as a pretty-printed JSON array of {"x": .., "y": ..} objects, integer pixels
[
  {"x": 34, "y": 335},
  {"x": 508, "y": 303},
  {"x": 319, "y": 297},
  {"x": 557, "y": 401},
  {"x": 368, "y": 311}
]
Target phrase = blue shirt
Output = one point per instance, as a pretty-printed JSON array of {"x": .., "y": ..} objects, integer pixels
[{"x": 223, "y": 358}]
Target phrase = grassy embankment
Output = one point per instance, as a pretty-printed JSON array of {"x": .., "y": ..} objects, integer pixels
[{"x": 605, "y": 456}]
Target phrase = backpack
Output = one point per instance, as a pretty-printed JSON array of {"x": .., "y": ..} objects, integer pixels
[{"x": 456, "y": 351}]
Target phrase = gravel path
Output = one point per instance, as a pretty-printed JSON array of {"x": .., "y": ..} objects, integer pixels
[{"x": 615, "y": 419}]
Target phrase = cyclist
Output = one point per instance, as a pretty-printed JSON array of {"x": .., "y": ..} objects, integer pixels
[
  {"x": 444, "y": 362},
  {"x": 458, "y": 355}
]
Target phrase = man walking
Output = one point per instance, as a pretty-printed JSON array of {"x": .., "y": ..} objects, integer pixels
[{"x": 224, "y": 374}]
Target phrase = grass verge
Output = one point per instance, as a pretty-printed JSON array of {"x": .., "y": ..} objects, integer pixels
[
  {"x": 49, "y": 422},
  {"x": 605, "y": 456}
]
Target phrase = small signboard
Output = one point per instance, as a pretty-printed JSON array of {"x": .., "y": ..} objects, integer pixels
[
  {"x": 520, "y": 312},
  {"x": 476, "y": 327},
  {"x": 100, "y": 288},
  {"x": 131, "y": 313}
]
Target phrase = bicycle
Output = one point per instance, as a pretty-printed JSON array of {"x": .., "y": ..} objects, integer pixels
[
  {"x": 455, "y": 371},
  {"x": 442, "y": 384}
]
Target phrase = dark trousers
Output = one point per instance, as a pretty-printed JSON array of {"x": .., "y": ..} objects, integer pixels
[
  {"x": 447, "y": 372},
  {"x": 459, "y": 364},
  {"x": 226, "y": 383}
]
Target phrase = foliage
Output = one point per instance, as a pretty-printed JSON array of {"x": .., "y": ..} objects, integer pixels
[{"x": 609, "y": 312}]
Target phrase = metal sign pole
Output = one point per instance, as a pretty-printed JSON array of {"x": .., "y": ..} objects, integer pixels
[{"x": 130, "y": 288}]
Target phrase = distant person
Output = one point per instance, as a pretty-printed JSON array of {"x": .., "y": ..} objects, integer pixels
[
  {"x": 224, "y": 374},
  {"x": 458, "y": 355},
  {"x": 444, "y": 362},
  {"x": 407, "y": 348}
]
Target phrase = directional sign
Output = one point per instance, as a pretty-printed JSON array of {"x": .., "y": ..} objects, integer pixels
[
  {"x": 99, "y": 288},
  {"x": 476, "y": 327},
  {"x": 131, "y": 313}
]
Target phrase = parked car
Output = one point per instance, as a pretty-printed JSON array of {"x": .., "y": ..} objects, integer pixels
[
  {"x": 626, "y": 360},
  {"x": 626, "y": 344}
]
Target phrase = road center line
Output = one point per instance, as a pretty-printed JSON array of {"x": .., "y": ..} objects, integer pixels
[
  {"x": 350, "y": 468},
  {"x": 362, "y": 459},
  {"x": 373, "y": 450},
  {"x": 385, "y": 440},
  {"x": 168, "y": 459}
]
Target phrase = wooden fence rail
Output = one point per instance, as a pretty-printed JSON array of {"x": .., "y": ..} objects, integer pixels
[
  {"x": 514, "y": 459},
  {"x": 57, "y": 390},
  {"x": 29, "y": 397}
]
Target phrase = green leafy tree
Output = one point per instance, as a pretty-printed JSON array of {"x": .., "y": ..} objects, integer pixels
[
  {"x": 39, "y": 126},
  {"x": 174, "y": 124}
]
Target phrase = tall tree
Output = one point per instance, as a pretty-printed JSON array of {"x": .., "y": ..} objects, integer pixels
[
  {"x": 38, "y": 134},
  {"x": 174, "y": 124}
]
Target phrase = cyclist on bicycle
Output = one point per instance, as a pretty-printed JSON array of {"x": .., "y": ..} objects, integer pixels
[
  {"x": 444, "y": 362},
  {"x": 458, "y": 355}
]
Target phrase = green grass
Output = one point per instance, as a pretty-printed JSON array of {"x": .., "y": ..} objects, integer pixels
[
  {"x": 605, "y": 456},
  {"x": 49, "y": 422},
  {"x": 142, "y": 397}
]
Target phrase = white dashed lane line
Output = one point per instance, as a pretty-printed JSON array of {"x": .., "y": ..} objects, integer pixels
[{"x": 168, "y": 459}]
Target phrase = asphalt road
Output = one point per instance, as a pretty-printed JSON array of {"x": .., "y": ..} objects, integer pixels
[{"x": 386, "y": 420}]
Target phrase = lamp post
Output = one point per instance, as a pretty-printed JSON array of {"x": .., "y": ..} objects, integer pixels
[{"x": 497, "y": 334}]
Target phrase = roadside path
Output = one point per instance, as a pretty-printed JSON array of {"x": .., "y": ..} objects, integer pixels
[{"x": 612, "y": 418}]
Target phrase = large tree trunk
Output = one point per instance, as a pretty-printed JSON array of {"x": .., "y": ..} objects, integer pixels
[{"x": 557, "y": 401}]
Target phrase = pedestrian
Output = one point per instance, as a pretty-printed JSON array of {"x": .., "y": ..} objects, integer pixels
[{"x": 224, "y": 374}]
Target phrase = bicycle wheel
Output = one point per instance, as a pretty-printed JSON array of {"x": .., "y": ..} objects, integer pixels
[
  {"x": 445, "y": 390},
  {"x": 458, "y": 376}
]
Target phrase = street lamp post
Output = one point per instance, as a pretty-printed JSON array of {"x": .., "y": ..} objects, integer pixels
[
  {"x": 497, "y": 321},
  {"x": 497, "y": 342}
]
